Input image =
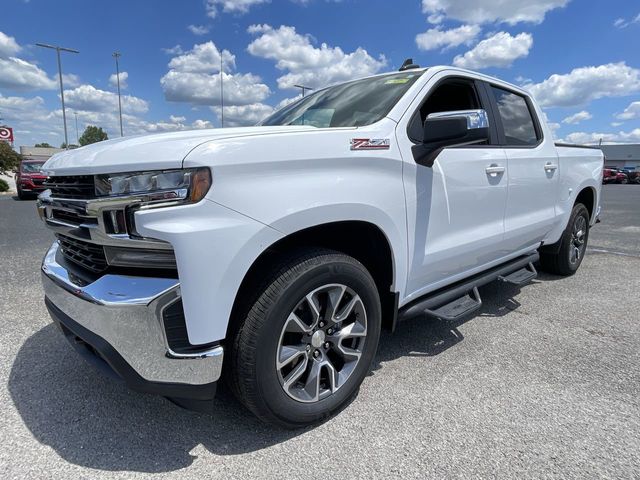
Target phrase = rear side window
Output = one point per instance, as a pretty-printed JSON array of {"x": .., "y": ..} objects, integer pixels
[{"x": 517, "y": 122}]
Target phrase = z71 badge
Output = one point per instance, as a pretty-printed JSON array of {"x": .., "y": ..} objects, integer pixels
[{"x": 370, "y": 144}]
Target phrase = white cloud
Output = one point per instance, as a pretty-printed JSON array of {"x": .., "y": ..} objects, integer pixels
[
  {"x": 113, "y": 79},
  {"x": 20, "y": 75},
  {"x": 435, "y": 38},
  {"x": 230, "y": 6},
  {"x": 578, "y": 117},
  {"x": 584, "y": 84},
  {"x": 194, "y": 77},
  {"x": 8, "y": 46},
  {"x": 553, "y": 126},
  {"x": 499, "y": 50},
  {"x": 204, "y": 89},
  {"x": 203, "y": 58},
  {"x": 624, "y": 23},
  {"x": 14, "y": 107},
  {"x": 632, "y": 136},
  {"x": 176, "y": 50},
  {"x": 631, "y": 112},
  {"x": 488, "y": 11},
  {"x": 199, "y": 29},
  {"x": 201, "y": 124},
  {"x": 89, "y": 98},
  {"x": 306, "y": 64},
  {"x": 70, "y": 80},
  {"x": 244, "y": 115}
]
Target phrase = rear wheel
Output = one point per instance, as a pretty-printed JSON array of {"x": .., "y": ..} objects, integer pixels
[
  {"x": 573, "y": 245},
  {"x": 308, "y": 341}
]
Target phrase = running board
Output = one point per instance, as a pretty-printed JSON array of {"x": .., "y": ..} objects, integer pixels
[
  {"x": 457, "y": 309},
  {"x": 462, "y": 298},
  {"x": 520, "y": 277}
]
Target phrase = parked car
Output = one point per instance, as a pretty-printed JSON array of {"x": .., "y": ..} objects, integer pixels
[
  {"x": 280, "y": 251},
  {"x": 633, "y": 175},
  {"x": 29, "y": 178},
  {"x": 609, "y": 175}
]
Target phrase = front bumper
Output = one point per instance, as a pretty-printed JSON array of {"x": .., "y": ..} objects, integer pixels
[{"x": 117, "y": 322}]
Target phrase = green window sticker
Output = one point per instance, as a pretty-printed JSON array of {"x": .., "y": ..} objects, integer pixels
[{"x": 396, "y": 81}]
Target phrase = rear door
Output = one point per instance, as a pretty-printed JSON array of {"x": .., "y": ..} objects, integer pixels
[{"x": 533, "y": 169}]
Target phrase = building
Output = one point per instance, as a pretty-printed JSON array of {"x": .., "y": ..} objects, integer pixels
[
  {"x": 38, "y": 153},
  {"x": 622, "y": 155}
]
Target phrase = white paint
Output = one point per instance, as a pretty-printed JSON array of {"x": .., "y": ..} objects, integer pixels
[{"x": 442, "y": 223}]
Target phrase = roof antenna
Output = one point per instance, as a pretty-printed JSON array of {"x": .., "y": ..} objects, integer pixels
[{"x": 408, "y": 65}]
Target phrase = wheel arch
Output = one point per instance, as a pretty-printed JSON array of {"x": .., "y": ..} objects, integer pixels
[
  {"x": 346, "y": 236},
  {"x": 587, "y": 196}
]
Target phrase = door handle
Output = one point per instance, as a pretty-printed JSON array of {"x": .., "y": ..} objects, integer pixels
[
  {"x": 494, "y": 170},
  {"x": 549, "y": 167}
]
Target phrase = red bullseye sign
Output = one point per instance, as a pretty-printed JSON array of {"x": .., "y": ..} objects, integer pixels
[{"x": 6, "y": 134}]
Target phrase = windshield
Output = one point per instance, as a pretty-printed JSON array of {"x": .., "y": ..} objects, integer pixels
[
  {"x": 352, "y": 104},
  {"x": 32, "y": 167}
]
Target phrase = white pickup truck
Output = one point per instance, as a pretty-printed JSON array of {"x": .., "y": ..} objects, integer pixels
[{"x": 272, "y": 256}]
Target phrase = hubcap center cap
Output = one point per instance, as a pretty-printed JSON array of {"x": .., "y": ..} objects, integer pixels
[{"x": 317, "y": 339}]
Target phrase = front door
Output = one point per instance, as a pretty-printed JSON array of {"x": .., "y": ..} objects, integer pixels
[{"x": 456, "y": 208}]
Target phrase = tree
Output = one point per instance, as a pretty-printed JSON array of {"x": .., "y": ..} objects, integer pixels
[
  {"x": 43, "y": 145},
  {"x": 92, "y": 134},
  {"x": 9, "y": 158}
]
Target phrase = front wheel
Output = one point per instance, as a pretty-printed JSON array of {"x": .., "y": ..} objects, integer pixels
[
  {"x": 573, "y": 245},
  {"x": 308, "y": 341}
]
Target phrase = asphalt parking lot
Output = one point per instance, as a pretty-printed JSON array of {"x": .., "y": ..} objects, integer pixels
[{"x": 544, "y": 382}]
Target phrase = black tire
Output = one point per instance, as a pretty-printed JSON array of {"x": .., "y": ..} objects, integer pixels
[
  {"x": 253, "y": 375},
  {"x": 21, "y": 194},
  {"x": 566, "y": 262}
]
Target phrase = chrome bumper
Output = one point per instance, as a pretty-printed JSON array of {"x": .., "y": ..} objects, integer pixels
[{"x": 126, "y": 312}]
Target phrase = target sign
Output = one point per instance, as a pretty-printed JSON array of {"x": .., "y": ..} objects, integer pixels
[{"x": 6, "y": 134}]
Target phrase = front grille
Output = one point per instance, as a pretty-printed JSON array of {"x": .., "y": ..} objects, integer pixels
[
  {"x": 72, "y": 217},
  {"x": 75, "y": 187},
  {"x": 85, "y": 254},
  {"x": 37, "y": 181}
]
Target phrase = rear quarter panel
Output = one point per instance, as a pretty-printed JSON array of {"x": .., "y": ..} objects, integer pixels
[{"x": 580, "y": 168}]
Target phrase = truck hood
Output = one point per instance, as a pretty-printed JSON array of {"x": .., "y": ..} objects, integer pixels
[{"x": 146, "y": 152}]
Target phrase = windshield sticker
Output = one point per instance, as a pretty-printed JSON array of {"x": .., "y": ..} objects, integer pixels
[
  {"x": 370, "y": 144},
  {"x": 394, "y": 81}
]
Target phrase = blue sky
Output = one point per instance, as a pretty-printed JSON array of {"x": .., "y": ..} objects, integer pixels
[{"x": 579, "y": 58}]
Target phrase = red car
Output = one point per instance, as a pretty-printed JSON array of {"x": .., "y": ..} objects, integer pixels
[
  {"x": 609, "y": 175},
  {"x": 29, "y": 178},
  {"x": 613, "y": 175}
]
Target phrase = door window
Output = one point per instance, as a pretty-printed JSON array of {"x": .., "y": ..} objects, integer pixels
[
  {"x": 448, "y": 96},
  {"x": 517, "y": 122}
]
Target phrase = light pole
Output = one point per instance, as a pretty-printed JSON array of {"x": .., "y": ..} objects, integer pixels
[
  {"x": 303, "y": 88},
  {"x": 77, "y": 137},
  {"x": 116, "y": 55},
  {"x": 58, "y": 49},
  {"x": 221, "y": 93}
]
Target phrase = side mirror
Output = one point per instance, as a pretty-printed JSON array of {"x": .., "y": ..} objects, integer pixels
[{"x": 450, "y": 129}]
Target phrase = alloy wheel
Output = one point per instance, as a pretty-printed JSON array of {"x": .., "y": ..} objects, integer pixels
[
  {"x": 321, "y": 343},
  {"x": 578, "y": 237}
]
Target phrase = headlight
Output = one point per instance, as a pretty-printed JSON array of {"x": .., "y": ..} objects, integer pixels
[{"x": 190, "y": 184}]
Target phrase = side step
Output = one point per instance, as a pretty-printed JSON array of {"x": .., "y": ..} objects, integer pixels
[
  {"x": 455, "y": 301},
  {"x": 459, "y": 308},
  {"x": 520, "y": 277}
]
